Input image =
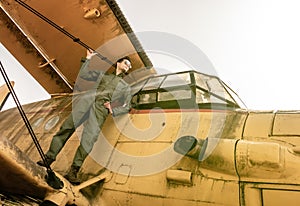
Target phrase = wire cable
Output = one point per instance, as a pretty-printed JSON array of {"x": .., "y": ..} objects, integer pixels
[{"x": 51, "y": 175}]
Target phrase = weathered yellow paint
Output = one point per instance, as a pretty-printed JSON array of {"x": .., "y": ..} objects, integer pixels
[
  {"x": 286, "y": 124},
  {"x": 4, "y": 92},
  {"x": 281, "y": 197},
  {"x": 252, "y": 157},
  {"x": 232, "y": 160},
  {"x": 259, "y": 124}
]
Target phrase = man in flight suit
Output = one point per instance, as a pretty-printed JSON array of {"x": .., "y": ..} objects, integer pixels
[{"x": 92, "y": 108}]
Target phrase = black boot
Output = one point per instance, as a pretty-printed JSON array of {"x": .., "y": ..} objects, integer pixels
[
  {"x": 48, "y": 160},
  {"x": 72, "y": 175}
]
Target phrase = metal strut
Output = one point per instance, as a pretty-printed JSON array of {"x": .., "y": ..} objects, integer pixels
[
  {"x": 52, "y": 180},
  {"x": 75, "y": 39}
]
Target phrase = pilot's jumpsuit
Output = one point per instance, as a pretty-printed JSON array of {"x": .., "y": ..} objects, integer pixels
[{"x": 89, "y": 108}]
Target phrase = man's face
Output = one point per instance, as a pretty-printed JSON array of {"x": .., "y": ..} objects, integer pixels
[{"x": 124, "y": 66}]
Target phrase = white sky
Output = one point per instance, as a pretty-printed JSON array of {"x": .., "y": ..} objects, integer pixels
[
  {"x": 26, "y": 87},
  {"x": 253, "y": 44}
]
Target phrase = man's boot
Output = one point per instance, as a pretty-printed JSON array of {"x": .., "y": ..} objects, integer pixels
[
  {"x": 48, "y": 160},
  {"x": 72, "y": 175}
]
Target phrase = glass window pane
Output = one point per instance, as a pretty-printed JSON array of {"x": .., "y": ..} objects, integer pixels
[
  {"x": 137, "y": 87},
  {"x": 148, "y": 98},
  {"x": 134, "y": 100},
  {"x": 235, "y": 97},
  {"x": 176, "y": 80},
  {"x": 217, "y": 88},
  {"x": 202, "y": 97},
  {"x": 201, "y": 80},
  {"x": 153, "y": 83},
  {"x": 174, "y": 95}
]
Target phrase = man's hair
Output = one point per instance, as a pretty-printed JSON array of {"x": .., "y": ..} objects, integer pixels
[{"x": 121, "y": 59}]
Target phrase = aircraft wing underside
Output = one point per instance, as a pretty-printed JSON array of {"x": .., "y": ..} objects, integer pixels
[{"x": 49, "y": 39}]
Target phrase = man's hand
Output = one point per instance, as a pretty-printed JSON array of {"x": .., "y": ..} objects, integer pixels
[
  {"x": 90, "y": 53},
  {"x": 108, "y": 106}
]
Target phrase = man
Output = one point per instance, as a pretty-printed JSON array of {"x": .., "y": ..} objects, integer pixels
[{"x": 92, "y": 108}]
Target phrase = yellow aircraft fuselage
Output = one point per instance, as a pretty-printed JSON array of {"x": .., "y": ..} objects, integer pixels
[
  {"x": 175, "y": 147},
  {"x": 254, "y": 160}
]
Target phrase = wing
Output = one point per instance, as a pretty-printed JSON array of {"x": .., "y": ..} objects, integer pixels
[{"x": 50, "y": 38}]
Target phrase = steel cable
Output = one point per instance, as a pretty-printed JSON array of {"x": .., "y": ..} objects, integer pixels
[{"x": 54, "y": 181}]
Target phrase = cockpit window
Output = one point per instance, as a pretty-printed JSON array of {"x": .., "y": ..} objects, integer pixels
[
  {"x": 183, "y": 90},
  {"x": 202, "y": 97},
  {"x": 176, "y": 80},
  {"x": 220, "y": 94},
  {"x": 153, "y": 83},
  {"x": 174, "y": 95},
  {"x": 200, "y": 80},
  {"x": 147, "y": 98}
]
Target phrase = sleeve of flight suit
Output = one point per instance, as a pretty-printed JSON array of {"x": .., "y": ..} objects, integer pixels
[
  {"x": 124, "y": 108},
  {"x": 89, "y": 75}
]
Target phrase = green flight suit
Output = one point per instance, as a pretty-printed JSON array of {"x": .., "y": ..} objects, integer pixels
[{"x": 88, "y": 108}]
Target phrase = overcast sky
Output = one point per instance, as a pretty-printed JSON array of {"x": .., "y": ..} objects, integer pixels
[
  {"x": 26, "y": 87},
  {"x": 252, "y": 44}
]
